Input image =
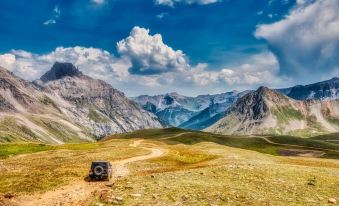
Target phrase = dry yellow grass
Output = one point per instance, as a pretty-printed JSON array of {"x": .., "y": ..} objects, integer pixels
[
  {"x": 235, "y": 177},
  {"x": 46, "y": 170},
  {"x": 201, "y": 174}
]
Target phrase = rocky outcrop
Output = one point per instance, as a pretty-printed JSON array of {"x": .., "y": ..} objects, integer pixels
[{"x": 61, "y": 70}]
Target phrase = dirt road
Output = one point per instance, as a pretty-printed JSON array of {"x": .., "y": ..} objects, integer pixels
[{"x": 81, "y": 192}]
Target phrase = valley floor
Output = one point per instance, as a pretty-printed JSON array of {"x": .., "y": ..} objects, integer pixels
[{"x": 164, "y": 171}]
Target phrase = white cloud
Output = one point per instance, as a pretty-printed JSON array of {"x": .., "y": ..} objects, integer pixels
[
  {"x": 98, "y": 2},
  {"x": 161, "y": 15},
  {"x": 259, "y": 69},
  {"x": 50, "y": 21},
  {"x": 56, "y": 15},
  {"x": 56, "y": 11},
  {"x": 149, "y": 55},
  {"x": 94, "y": 62},
  {"x": 306, "y": 42},
  {"x": 172, "y": 70},
  {"x": 173, "y": 2},
  {"x": 7, "y": 61}
]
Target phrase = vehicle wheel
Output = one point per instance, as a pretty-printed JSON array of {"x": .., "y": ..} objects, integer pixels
[{"x": 98, "y": 170}]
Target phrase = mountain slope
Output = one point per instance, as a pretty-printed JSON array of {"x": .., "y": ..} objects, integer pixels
[
  {"x": 268, "y": 112},
  {"x": 322, "y": 90},
  {"x": 26, "y": 114},
  {"x": 213, "y": 112},
  {"x": 95, "y": 104},
  {"x": 187, "y": 112},
  {"x": 65, "y": 106},
  {"x": 206, "y": 117}
]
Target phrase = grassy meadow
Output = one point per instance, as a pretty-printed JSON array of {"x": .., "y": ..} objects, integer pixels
[{"x": 197, "y": 169}]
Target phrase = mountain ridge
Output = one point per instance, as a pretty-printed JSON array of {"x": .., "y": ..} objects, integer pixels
[
  {"x": 328, "y": 89},
  {"x": 66, "y": 105},
  {"x": 177, "y": 110},
  {"x": 266, "y": 111}
]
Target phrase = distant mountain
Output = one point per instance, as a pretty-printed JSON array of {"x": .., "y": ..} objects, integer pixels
[
  {"x": 322, "y": 90},
  {"x": 266, "y": 111},
  {"x": 207, "y": 117},
  {"x": 213, "y": 112},
  {"x": 66, "y": 106},
  {"x": 187, "y": 112}
]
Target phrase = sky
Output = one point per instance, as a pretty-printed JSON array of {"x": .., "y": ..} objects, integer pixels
[{"x": 187, "y": 46}]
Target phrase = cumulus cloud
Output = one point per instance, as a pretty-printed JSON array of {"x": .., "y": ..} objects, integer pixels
[
  {"x": 259, "y": 69},
  {"x": 7, "y": 61},
  {"x": 306, "y": 42},
  {"x": 97, "y": 63},
  {"x": 149, "y": 55},
  {"x": 159, "y": 66},
  {"x": 172, "y": 2}
]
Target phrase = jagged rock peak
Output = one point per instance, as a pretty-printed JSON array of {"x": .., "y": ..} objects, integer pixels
[
  {"x": 264, "y": 90},
  {"x": 60, "y": 70},
  {"x": 270, "y": 94}
]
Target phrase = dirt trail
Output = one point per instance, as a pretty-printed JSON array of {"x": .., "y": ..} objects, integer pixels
[
  {"x": 304, "y": 151},
  {"x": 291, "y": 145},
  {"x": 178, "y": 135},
  {"x": 81, "y": 192}
]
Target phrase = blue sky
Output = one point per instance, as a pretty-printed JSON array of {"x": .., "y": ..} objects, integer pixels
[{"x": 213, "y": 45}]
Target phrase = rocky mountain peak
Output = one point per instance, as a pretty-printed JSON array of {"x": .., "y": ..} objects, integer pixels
[
  {"x": 271, "y": 95},
  {"x": 168, "y": 100},
  {"x": 61, "y": 70},
  {"x": 264, "y": 91}
]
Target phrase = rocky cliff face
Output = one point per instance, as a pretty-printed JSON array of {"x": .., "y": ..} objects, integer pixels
[
  {"x": 65, "y": 106},
  {"x": 265, "y": 111}
]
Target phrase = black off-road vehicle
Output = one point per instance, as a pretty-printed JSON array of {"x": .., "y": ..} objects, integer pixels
[{"x": 100, "y": 170}]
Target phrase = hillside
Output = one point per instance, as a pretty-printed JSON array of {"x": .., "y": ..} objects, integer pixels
[
  {"x": 172, "y": 167},
  {"x": 268, "y": 112},
  {"x": 65, "y": 106}
]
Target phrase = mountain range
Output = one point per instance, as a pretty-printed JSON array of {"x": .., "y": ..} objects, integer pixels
[
  {"x": 65, "y": 105},
  {"x": 198, "y": 112},
  {"x": 209, "y": 109}
]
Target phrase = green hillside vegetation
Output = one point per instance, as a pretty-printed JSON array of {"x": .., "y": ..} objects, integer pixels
[
  {"x": 14, "y": 130},
  {"x": 7, "y": 150},
  {"x": 256, "y": 143},
  {"x": 330, "y": 138},
  {"x": 284, "y": 114},
  {"x": 96, "y": 117},
  {"x": 11, "y": 131}
]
